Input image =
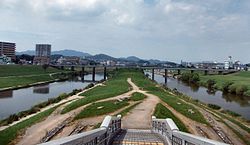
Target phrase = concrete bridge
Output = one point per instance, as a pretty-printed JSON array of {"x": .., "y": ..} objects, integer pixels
[
  {"x": 162, "y": 132},
  {"x": 103, "y": 69}
]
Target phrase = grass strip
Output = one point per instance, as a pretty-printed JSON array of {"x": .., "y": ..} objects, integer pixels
[
  {"x": 10, "y": 133},
  {"x": 137, "y": 96},
  {"x": 113, "y": 87},
  {"x": 178, "y": 104},
  {"x": 101, "y": 108},
  {"x": 162, "y": 112}
]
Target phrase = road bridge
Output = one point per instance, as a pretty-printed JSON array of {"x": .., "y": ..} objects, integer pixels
[{"x": 102, "y": 68}]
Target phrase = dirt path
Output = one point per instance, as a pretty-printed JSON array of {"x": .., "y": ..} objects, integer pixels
[
  {"x": 34, "y": 133},
  {"x": 140, "y": 116}
]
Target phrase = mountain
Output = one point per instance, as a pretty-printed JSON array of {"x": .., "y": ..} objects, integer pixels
[
  {"x": 133, "y": 58},
  {"x": 28, "y": 52},
  {"x": 65, "y": 52},
  {"x": 101, "y": 57},
  {"x": 68, "y": 52}
]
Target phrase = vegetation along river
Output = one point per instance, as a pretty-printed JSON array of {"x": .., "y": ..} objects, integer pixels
[
  {"x": 14, "y": 101},
  {"x": 238, "y": 104}
]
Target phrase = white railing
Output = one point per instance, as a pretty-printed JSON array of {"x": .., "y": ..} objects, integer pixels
[
  {"x": 170, "y": 132},
  {"x": 101, "y": 136}
]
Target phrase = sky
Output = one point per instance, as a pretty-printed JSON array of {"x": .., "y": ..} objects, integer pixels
[{"x": 174, "y": 30}]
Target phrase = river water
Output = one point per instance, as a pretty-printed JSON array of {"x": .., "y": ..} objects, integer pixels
[
  {"x": 238, "y": 104},
  {"x": 14, "y": 101}
]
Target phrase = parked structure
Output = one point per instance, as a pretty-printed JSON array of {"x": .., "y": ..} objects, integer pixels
[
  {"x": 8, "y": 49},
  {"x": 43, "y": 52}
]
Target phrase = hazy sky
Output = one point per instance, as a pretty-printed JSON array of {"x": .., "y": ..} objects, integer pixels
[{"x": 190, "y": 30}]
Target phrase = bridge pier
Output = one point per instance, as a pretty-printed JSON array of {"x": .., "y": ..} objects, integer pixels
[
  {"x": 93, "y": 74},
  {"x": 220, "y": 72},
  {"x": 153, "y": 74},
  {"x": 179, "y": 71},
  {"x": 192, "y": 71},
  {"x": 105, "y": 73},
  {"x": 82, "y": 74},
  {"x": 72, "y": 68},
  {"x": 205, "y": 72},
  {"x": 166, "y": 76},
  {"x": 62, "y": 67}
]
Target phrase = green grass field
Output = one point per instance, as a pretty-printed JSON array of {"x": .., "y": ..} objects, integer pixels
[
  {"x": 18, "y": 75},
  {"x": 21, "y": 70},
  {"x": 161, "y": 112},
  {"x": 101, "y": 108},
  {"x": 9, "y": 134},
  {"x": 115, "y": 86},
  {"x": 238, "y": 79},
  {"x": 137, "y": 96}
]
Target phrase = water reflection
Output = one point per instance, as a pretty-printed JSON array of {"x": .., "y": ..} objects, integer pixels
[
  {"x": 41, "y": 89},
  {"x": 13, "y": 101},
  {"x": 242, "y": 100},
  {"x": 6, "y": 94}
]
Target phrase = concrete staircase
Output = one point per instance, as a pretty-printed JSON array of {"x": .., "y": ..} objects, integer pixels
[{"x": 138, "y": 137}]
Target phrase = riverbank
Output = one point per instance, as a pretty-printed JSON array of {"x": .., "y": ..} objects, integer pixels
[
  {"x": 237, "y": 83},
  {"x": 18, "y": 76},
  {"x": 192, "y": 117}
]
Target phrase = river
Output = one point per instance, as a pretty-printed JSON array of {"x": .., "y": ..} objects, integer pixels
[
  {"x": 238, "y": 104},
  {"x": 14, "y": 101}
]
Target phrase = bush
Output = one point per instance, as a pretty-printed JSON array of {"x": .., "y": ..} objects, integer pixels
[
  {"x": 232, "y": 89},
  {"x": 190, "y": 77},
  {"x": 213, "y": 106},
  {"x": 240, "y": 90},
  {"x": 194, "y": 78},
  {"x": 211, "y": 83},
  {"x": 225, "y": 86},
  {"x": 12, "y": 118},
  {"x": 247, "y": 93}
]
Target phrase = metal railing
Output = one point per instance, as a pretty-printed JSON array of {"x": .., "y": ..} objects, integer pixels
[
  {"x": 101, "y": 136},
  {"x": 168, "y": 130}
]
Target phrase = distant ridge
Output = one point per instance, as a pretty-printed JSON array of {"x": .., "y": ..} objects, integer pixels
[
  {"x": 98, "y": 57},
  {"x": 65, "y": 52}
]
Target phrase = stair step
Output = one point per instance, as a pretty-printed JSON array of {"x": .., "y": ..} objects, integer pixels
[{"x": 137, "y": 137}]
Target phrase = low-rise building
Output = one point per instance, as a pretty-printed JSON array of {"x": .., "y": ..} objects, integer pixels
[{"x": 4, "y": 59}]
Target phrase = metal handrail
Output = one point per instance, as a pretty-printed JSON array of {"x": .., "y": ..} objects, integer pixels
[
  {"x": 100, "y": 136},
  {"x": 168, "y": 130}
]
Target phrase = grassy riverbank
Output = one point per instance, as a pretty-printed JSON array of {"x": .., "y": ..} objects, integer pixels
[
  {"x": 16, "y": 76},
  {"x": 236, "y": 83},
  {"x": 9, "y": 134}
]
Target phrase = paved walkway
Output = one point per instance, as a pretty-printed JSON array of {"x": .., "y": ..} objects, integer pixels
[{"x": 137, "y": 137}]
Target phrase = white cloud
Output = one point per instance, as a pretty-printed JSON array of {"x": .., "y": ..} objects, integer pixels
[{"x": 134, "y": 23}]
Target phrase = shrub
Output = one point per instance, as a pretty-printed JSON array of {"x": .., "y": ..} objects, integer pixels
[
  {"x": 12, "y": 118},
  {"x": 232, "y": 89},
  {"x": 213, "y": 106},
  {"x": 190, "y": 77},
  {"x": 225, "y": 86},
  {"x": 247, "y": 93},
  {"x": 210, "y": 83},
  {"x": 240, "y": 90},
  {"x": 194, "y": 78}
]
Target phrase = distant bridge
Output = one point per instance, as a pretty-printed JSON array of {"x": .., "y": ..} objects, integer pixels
[{"x": 152, "y": 68}]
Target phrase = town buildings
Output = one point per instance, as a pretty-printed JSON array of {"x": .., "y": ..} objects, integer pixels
[
  {"x": 43, "y": 52},
  {"x": 8, "y": 50}
]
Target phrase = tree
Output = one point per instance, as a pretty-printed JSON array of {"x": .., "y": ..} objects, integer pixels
[{"x": 45, "y": 66}]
